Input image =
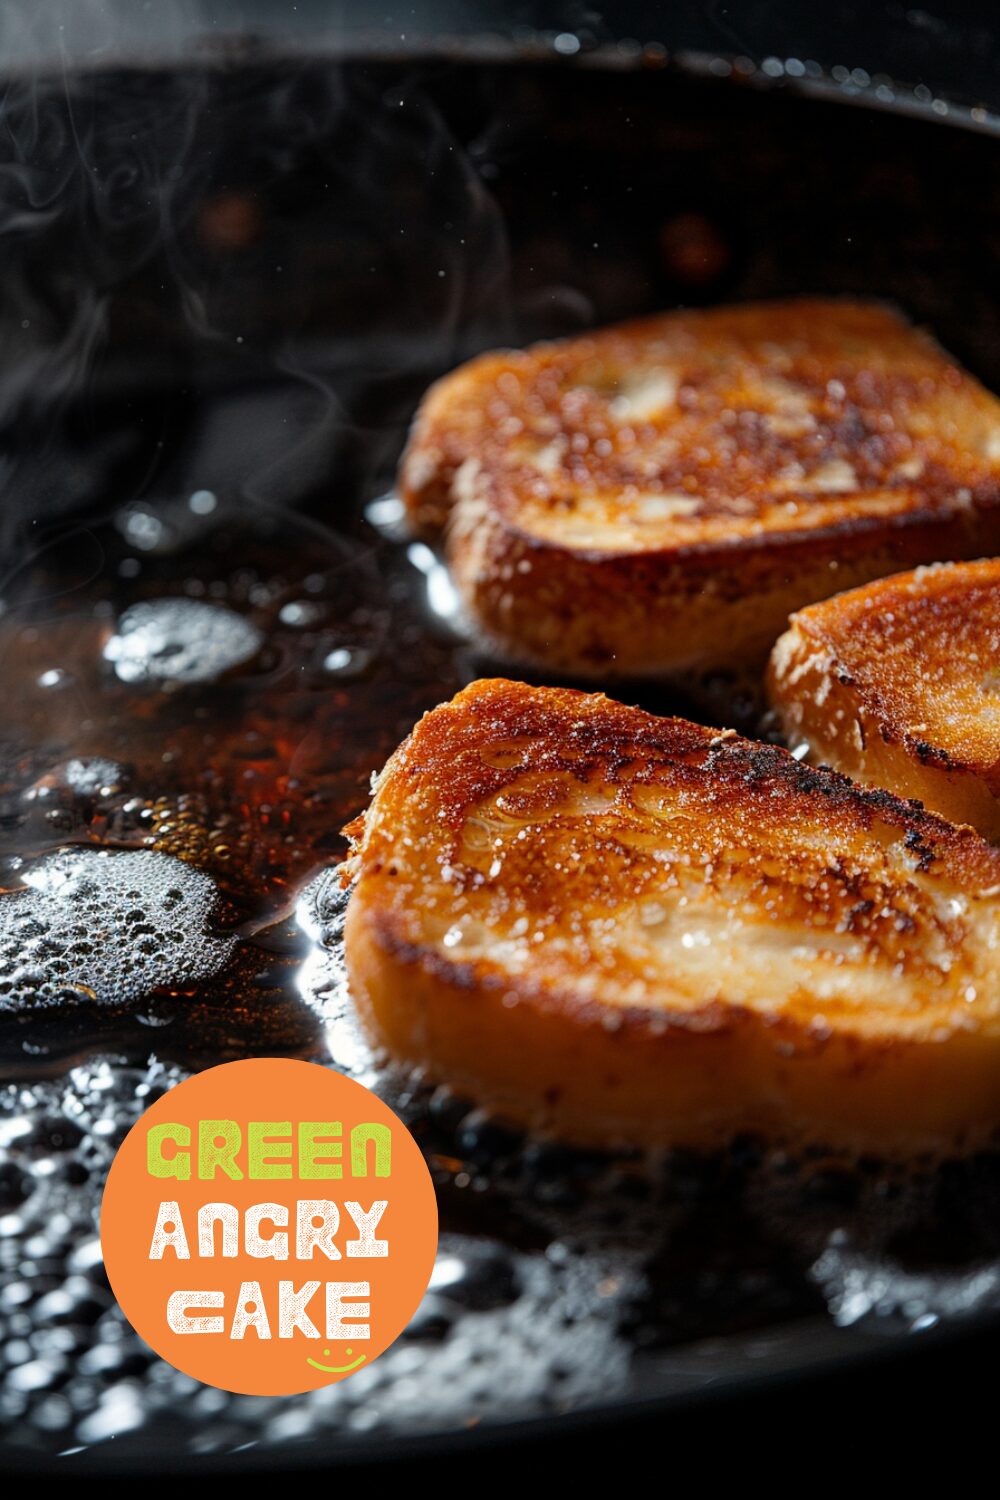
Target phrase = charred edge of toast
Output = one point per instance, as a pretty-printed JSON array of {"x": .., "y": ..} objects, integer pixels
[
  {"x": 817, "y": 636},
  {"x": 575, "y": 732}
]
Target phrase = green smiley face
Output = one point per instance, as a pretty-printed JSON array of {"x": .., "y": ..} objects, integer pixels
[{"x": 337, "y": 1369}]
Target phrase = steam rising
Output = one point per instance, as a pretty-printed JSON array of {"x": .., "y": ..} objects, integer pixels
[{"x": 310, "y": 232}]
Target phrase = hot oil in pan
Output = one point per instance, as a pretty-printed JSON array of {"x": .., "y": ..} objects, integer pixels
[
  {"x": 194, "y": 702},
  {"x": 212, "y": 710}
]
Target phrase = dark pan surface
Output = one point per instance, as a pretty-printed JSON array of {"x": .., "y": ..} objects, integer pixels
[{"x": 236, "y": 471}]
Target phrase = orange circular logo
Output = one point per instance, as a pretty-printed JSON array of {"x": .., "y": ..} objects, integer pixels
[{"x": 269, "y": 1226}]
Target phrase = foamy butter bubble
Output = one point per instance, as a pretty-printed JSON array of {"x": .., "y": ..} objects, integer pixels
[
  {"x": 106, "y": 927},
  {"x": 179, "y": 641},
  {"x": 92, "y": 775}
]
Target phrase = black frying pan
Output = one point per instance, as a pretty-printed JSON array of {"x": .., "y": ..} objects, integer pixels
[{"x": 153, "y": 348}]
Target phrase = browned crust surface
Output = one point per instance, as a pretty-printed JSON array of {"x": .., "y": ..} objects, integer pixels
[
  {"x": 898, "y": 684},
  {"x": 714, "y": 470},
  {"x": 619, "y": 926}
]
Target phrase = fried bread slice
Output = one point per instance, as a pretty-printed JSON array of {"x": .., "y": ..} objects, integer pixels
[
  {"x": 656, "y": 498},
  {"x": 898, "y": 684},
  {"x": 624, "y": 929}
]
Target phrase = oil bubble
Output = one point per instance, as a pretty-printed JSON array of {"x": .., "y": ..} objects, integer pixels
[
  {"x": 180, "y": 641},
  {"x": 93, "y": 776},
  {"x": 387, "y": 515},
  {"x": 301, "y": 613},
  {"x": 347, "y": 661},
  {"x": 107, "y": 928}
]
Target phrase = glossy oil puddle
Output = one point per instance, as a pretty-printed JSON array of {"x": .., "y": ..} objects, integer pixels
[{"x": 193, "y": 712}]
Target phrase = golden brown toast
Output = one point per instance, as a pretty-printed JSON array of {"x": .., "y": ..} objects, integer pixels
[
  {"x": 658, "y": 497},
  {"x": 619, "y": 928},
  {"x": 898, "y": 684}
]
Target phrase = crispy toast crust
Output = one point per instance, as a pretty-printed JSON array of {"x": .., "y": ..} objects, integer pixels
[
  {"x": 898, "y": 684},
  {"x": 625, "y": 929},
  {"x": 659, "y": 496}
]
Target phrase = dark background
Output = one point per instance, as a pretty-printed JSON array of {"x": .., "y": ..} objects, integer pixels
[{"x": 950, "y": 47}]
